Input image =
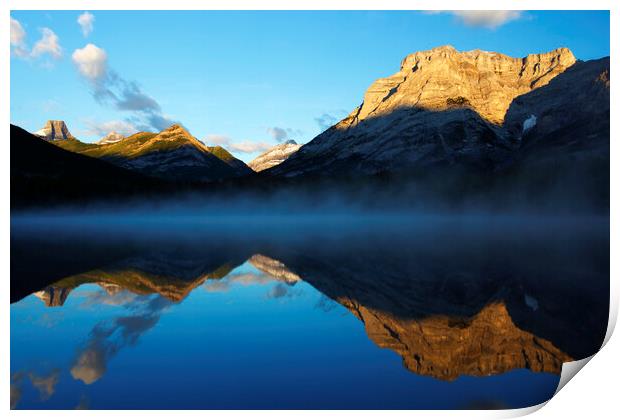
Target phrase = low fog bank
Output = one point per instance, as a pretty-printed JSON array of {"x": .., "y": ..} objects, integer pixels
[
  {"x": 381, "y": 197},
  {"x": 546, "y": 187}
]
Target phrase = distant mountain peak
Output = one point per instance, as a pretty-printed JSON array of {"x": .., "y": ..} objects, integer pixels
[
  {"x": 111, "y": 137},
  {"x": 274, "y": 156},
  {"x": 54, "y": 130},
  {"x": 176, "y": 129}
]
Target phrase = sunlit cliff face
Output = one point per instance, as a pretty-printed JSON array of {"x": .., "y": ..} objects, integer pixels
[{"x": 443, "y": 77}]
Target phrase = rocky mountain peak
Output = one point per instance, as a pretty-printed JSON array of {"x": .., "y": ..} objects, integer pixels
[
  {"x": 176, "y": 129},
  {"x": 443, "y": 78},
  {"x": 445, "y": 107},
  {"x": 54, "y": 130},
  {"x": 291, "y": 141}
]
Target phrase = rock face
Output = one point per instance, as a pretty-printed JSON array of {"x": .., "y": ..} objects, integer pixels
[
  {"x": 54, "y": 130},
  {"x": 274, "y": 156},
  {"x": 111, "y": 137},
  {"x": 172, "y": 154},
  {"x": 444, "y": 78},
  {"x": 443, "y": 106},
  {"x": 570, "y": 113}
]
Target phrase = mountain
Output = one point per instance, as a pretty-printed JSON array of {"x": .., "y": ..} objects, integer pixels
[
  {"x": 111, "y": 137},
  {"x": 567, "y": 116},
  {"x": 54, "y": 130},
  {"x": 224, "y": 155},
  {"x": 274, "y": 156},
  {"x": 172, "y": 154},
  {"x": 42, "y": 173},
  {"x": 445, "y": 107}
]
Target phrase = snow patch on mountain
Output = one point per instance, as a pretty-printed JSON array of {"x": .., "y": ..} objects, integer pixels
[{"x": 529, "y": 123}]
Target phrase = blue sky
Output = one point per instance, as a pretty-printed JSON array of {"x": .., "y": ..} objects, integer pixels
[{"x": 246, "y": 80}]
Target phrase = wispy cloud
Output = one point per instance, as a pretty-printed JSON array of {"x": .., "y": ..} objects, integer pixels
[
  {"x": 18, "y": 39},
  {"x": 110, "y": 88},
  {"x": 48, "y": 44},
  {"x": 51, "y": 105},
  {"x": 101, "y": 128},
  {"x": 243, "y": 146},
  {"x": 277, "y": 133},
  {"x": 327, "y": 119},
  {"x": 86, "y": 21},
  {"x": 239, "y": 278},
  {"x": 283, "y": 290},
  {"x": 484, "y": 18},
  {"x": 280, "y": 134}
]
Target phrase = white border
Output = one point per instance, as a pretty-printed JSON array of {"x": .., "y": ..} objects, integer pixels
[{"x": 592, "y": 395}]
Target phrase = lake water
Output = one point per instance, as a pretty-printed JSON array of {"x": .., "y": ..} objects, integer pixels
[{"x": 301, "y": 312}]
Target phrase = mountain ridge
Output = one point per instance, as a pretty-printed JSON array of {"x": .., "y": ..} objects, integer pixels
[
  {"x": 42, "y": 173},
  {"x": 442, "y": 106},
  {"x": 172, "y": 154}
]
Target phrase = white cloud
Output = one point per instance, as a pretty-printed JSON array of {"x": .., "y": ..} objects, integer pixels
[
  {"x": 91, "y": 62},
  {"x": 244, "y": 146},
  {"x": 485, "y": 18},
  {"x": 48, "y": 44},
  {"x": 86, "y": 20},
  {"x": 98, "y": 128},
  {"x": 18, "y": 39},
  {"x": 18, "y": 36}
]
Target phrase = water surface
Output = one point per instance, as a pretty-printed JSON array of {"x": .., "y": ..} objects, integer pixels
[{"x": 336, "y": 313}]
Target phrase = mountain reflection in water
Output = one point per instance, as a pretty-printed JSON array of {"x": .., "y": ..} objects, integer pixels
[{"x": 452, "y": 302}]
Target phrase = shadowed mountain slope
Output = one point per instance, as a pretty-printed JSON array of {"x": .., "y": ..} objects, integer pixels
[{"x": 42, "y": 173}]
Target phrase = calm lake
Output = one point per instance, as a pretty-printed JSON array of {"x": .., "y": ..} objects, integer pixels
[{"x": 382, "y": 311}]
